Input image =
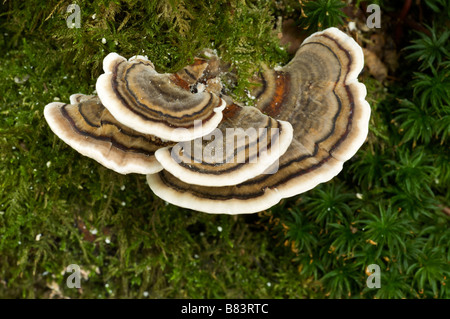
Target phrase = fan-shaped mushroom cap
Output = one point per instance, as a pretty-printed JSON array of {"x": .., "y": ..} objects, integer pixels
[
  {"x": 88, "y": 127},
  {"x": 243, "y": 146},
  {"x": 319, "y": 94},
  {"x": 153, "y": 103}
]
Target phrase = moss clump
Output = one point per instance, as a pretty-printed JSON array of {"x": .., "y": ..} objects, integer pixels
[{"x": 58, "y": 208}]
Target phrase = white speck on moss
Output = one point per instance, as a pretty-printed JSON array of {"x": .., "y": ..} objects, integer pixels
[
  {"x": 359, "y": 195},
  {"x": 107, "y": 240},
  {"x": 21, "y": 80},
  {"x": 103, "y": 40},
  {"x": 250, "y": 96},
  {"x": 49, "y": 163},
  {"x": 38, "y": 237},
  {"x": 122, "y": 188},
  {"x": 94, "y": 231},
  {"x": 219, "y": 228},
  {"x": 352, "y": 26}
]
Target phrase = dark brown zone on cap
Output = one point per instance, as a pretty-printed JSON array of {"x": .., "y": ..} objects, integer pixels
[
  {"x": 274, "y": 106},
  {"x": 231, "y": 111},
  {"x": 199, "y": 61},
  {"x": 175, "y": 78}
]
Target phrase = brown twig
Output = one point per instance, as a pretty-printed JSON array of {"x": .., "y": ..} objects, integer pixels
[
  {"x": 401, "y": 20},
  {"x": 445, "y": 209}
]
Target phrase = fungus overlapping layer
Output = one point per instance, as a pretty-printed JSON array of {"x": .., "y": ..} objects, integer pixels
[
  {"x": 154, "y": 103},
  {"x": 88, "y": 127},
  {"x": 243, "y": 146},
  {"x": 309, "y": 118}
]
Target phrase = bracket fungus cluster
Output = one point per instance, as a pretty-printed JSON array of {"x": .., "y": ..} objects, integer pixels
[{"x": 202, "y": 150}]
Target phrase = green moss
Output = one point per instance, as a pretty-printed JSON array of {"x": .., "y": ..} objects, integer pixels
[{"x": 59, "y": 208}]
